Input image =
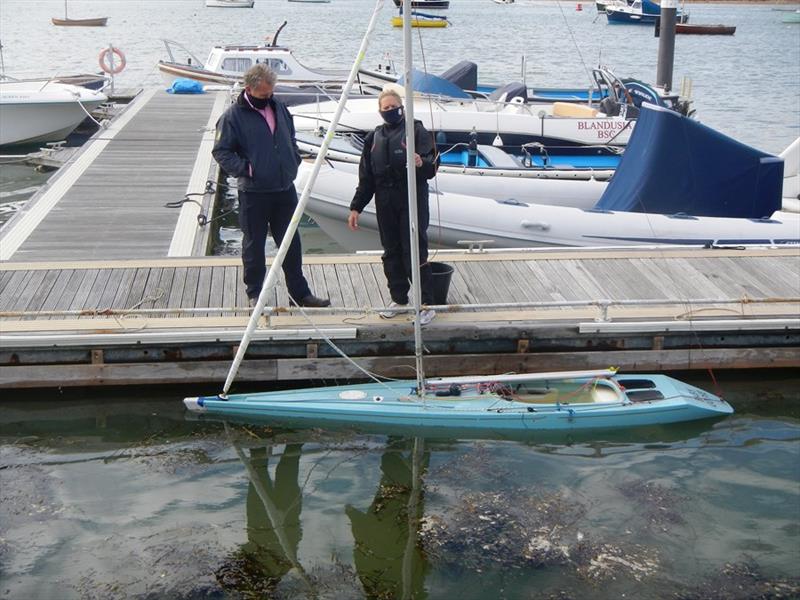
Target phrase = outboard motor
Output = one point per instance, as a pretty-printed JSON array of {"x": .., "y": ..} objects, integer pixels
[
  {"x": 509, "y": 91},
  {"x": 641, "y": 92},
  {"x": 463, "y": 74}
]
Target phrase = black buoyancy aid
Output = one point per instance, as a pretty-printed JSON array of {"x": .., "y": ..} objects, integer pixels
[{"x": 389, "y": 155}]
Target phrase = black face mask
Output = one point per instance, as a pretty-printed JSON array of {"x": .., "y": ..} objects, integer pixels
[
  {"x": 259, "y": 103},
  {"x": 392, "y": 116}
]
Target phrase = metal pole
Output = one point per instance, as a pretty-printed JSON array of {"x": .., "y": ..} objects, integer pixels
[
  {"x": 666, "y": 44},
  {"x": 111, "y": 65},
  {"x": 411, "y": 179},
  {"x": 272, "y": 276}
]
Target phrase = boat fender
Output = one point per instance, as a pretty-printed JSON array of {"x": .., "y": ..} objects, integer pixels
[{"x": 105, "y": 60}]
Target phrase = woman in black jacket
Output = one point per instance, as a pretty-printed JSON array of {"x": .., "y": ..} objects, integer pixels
[{"x": 382, "y": 173}]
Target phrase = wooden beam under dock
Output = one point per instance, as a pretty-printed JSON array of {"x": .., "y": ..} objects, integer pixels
[{"x": 178, "y": 320}]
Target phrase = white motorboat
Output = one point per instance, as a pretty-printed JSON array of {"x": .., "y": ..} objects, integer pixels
[
  {"x": 731, "y": 197},
  {"x": 226, "y": 65},
  {"x": 512, "y": 123},
  {"x": 34, "y": 111},
  {"x": 457, "y": 218},
  {"x": 230, "y": 3},
  {"x": 462, "y": 207},
  {"x": 485, "y": 161}
]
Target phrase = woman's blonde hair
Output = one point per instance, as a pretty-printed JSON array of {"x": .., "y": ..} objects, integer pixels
[{"x": 389, "y": 92}]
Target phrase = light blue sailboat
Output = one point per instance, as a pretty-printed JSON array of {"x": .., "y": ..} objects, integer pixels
[
  {"x": 510, "y": 404},
  {"x": 481, "y": 405}
]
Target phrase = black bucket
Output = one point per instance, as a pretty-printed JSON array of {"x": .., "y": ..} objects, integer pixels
[{"x": 441, "y": 275}]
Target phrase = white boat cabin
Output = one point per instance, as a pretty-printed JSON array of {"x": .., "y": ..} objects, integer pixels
[
  {"x": 230, "y": 62},
  {"x": 235, "y": 60}
]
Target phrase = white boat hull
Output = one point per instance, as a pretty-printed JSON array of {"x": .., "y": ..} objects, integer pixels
[
  {"x": 513, "y": 122},
  {"x": 497, "y": 184},
  {"x": 498, "y": 174},
  {"x": 230, "y": 3},
  {"x": 457, "y": 218},
  {"x": 37, "y": 112}
]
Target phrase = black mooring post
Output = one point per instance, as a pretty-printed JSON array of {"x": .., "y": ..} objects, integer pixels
[{"x": 666, "y": 43}]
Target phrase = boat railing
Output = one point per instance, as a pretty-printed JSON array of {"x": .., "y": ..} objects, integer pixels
[
  {"x": 691, "y": 308},
  {"x": 168, "y": 44},
  {"x": 44, "y": 81}
]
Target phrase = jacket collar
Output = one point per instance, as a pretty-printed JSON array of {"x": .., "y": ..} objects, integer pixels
[{"x": 242, "y": 101}]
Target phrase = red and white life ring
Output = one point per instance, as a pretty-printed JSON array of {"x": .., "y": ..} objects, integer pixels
[{"x": 105, "y": 59}]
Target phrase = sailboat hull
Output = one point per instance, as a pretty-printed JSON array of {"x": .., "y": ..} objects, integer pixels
[
  {"x": 555, "y": 404},
  {"x": 98, "y": 22}
]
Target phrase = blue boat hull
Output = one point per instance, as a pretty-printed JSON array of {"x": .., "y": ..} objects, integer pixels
[
  {"x": 637, "y": 18},
  {"x": 598, "y": 403}
]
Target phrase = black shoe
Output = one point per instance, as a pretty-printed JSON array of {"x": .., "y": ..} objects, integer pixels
[{"x": 311, "y": 301}]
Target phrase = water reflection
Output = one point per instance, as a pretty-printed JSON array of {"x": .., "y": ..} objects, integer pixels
[
  {"x": 273, "y": 519},
  {"x": 387, "y": 558},
  {"x": 386, "y": 554},
  {"x": 129, "y": 498}
]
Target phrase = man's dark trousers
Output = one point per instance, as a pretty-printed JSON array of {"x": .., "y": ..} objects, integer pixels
[{"x": 258, "y": 213}]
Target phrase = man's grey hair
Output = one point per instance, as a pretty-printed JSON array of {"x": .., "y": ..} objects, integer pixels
[{"x": 259, "y": 73}]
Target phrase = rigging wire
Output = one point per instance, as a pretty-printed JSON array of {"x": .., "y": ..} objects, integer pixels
[
  {"x": 574, "y": 41},
  {"x": 670, "y": 269},
  {"x": 439, "y": 230},
  {"x": 379, "y": 379}
]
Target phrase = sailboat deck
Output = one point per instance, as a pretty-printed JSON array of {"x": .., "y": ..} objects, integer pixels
[{"x": 166, "y": 319}]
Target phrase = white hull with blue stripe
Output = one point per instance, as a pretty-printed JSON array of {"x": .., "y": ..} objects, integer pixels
[{"x": 664, "y": 192}]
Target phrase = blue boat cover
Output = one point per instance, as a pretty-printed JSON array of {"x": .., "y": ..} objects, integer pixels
[
  {"x": 433, "y": 84},
  {"x": 186, "y": 86},
  {"x": 674, "y": 164}
]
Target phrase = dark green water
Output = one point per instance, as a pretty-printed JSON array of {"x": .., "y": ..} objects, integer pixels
[{"x": 123, "y": 497}]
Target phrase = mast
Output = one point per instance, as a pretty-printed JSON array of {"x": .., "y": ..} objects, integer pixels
[
  {"x": 411, "y": 175},
  {"x": 272, "y": 276},
  {"x": 65, "y": 10}
]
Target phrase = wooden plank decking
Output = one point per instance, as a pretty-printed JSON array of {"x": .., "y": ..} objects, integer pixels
[
  {"x": 749, "y": 297},
  {"x": 108, "y": 201}
]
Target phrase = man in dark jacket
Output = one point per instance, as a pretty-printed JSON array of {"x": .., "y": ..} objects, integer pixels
[
  {"x": 382, "y": 173},
  {"x": 256, "y": 143}
]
